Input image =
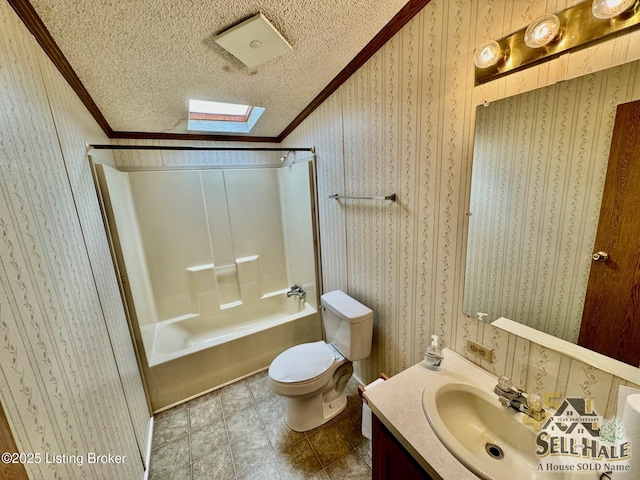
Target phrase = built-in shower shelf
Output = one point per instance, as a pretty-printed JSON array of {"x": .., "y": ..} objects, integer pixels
[
  {"x": 211, "y": 266},
  {"x": 274, "y": 294},
  {"x": 226, "y": 306},
  {"x": 200, "y": 268},
  {"x": 251, "y": 258}
]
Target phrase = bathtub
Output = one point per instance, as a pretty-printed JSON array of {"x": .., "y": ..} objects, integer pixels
[
  {"x": 194, "y": 354},
  {"x": 188, "y": 334}
]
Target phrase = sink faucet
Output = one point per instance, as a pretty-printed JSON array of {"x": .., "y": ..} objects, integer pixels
[
  {"x": 297, "y": 291},
  {"x": 511, "y": 397}
]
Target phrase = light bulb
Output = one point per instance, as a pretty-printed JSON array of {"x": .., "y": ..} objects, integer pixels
[
  {"x": 605, "y": 9},
  {"x": 487, "y": 55},
  {"x": 542, "y": 31}
]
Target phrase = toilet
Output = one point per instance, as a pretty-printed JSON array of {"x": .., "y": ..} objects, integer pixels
[{"x": 313, "y": 376}]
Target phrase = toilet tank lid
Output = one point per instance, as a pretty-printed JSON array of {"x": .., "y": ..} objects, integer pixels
[{"x": 345, "y": 306}]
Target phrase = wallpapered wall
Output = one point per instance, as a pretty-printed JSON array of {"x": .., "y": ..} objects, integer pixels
[
  {"x": 404, "y": 124},
  {"x": 69, "y": 380}
]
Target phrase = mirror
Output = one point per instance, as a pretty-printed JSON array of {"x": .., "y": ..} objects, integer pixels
[{"x": 539, "y": 167}]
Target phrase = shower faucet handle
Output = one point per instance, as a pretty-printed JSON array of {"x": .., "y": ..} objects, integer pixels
[{"x": 297, "y": 291}]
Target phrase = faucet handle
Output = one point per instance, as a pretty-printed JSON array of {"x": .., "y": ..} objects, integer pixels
[
  {"x": 534, "y": 402},
  {"x": 504, "y": 383}
]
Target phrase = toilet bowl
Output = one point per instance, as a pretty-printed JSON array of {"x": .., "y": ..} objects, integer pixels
[{"x": 313, "y": 376}]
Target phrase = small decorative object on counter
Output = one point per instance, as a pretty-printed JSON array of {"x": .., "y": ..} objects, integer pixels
[{"x": 434, "y": 356}]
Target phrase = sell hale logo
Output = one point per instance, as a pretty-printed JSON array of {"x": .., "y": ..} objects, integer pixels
[{"x": 576, "y": 438}]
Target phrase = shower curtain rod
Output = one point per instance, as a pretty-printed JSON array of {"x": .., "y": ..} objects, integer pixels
[{"x": 173, "y": 147}]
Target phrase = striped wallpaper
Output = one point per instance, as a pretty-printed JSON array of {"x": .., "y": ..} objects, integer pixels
[
  {"x": 404, "y": 124},
  {"x": 69, "y": 380}
]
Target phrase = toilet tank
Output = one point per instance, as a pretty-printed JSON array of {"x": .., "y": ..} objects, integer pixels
[{"x": 348, "y": 324}]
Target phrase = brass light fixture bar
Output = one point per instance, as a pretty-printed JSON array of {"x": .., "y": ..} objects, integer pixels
[{"x": 579, "y": 27}]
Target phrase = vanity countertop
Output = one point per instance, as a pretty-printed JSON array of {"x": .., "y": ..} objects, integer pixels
[{"x": 398, "y": 404}]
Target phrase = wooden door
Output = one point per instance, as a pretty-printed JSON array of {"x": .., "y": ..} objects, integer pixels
[
  {"x": 9, "y": 469},
  {"x": 611, "y": 316}
]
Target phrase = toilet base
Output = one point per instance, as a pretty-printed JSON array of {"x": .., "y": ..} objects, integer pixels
[
  {"x": 308, "y": 412},
  {"x": 305, "y": 414}
]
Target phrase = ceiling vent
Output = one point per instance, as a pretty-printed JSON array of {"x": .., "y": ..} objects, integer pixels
[{"x": 254, "y": 41}]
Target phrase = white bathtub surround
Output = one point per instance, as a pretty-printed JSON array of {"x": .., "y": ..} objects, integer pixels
[
  {"x": 227, "y": 286},
  {"x": 214, "y": 260},
  {"x": 247, "y": 268}
]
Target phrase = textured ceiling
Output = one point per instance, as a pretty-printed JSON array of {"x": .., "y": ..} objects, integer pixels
[{"x": 142, "y": 60}]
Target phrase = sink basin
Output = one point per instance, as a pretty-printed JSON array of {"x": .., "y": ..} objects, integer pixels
[{"x": 487, "y": 438}]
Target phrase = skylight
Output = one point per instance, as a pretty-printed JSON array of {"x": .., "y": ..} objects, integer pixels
[{"x": 222, "y": 117}]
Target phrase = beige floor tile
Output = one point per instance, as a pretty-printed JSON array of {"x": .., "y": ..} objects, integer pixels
[
  {"x": 170, "y": 425},
  {"x": 349, "y": 467},
  {"x": 183, "y": 473},
  {"x": 321, "y": 475},
  {"x": 298, "y": 461},
  {"x": 272, "y": 410},
  {"x": 265, "y": 471},
  {"x": 308, "y": 433},
  {"x": 233, "y": 387},
  {"x": 242, "y": 423},
  {"x": 207, "y": 439},
  {"x": 204, "y": 410},
  {"x": 250, "y": 451},
  {"x": 351, "y": 426},
  {"x": 329, "y": 444},
  {"x": 259, "y": 386},
  {"x": 170, "y": 414},
  {"x": 201, "y": 399},
  {"x": 169, "y": 457},
  {"x": 280, "y": 435},
  {"x": 353, "y": 402},
  {"x": 217, "y": 465},
  {"x": 364, "y": 451},
  {"x": 235, "y": 397}
]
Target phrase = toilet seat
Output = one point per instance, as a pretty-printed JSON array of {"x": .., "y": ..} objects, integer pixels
[{"x": 303, "y": 363}]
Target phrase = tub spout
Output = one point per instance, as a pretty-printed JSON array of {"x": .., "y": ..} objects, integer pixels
[{"x": 297, "y": 291}]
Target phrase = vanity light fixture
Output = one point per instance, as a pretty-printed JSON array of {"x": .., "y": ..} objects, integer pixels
[
  {"x": 542, "y": 31},
  {"x": 605, "y": 9},
  {"x": 488, "y": 55},
  {"x": 552, "y": 35}
]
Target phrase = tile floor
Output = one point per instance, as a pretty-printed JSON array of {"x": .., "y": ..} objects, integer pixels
[{"x": 239, "y": 432}]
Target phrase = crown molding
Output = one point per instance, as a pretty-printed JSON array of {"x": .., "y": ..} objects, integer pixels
[{"x": 191, "y": 136}]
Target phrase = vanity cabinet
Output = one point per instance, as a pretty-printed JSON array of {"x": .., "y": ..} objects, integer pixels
[{"x": 391, "y": 461}]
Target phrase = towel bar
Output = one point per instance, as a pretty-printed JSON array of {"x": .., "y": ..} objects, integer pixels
[{"x": 391, "y": 197}]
